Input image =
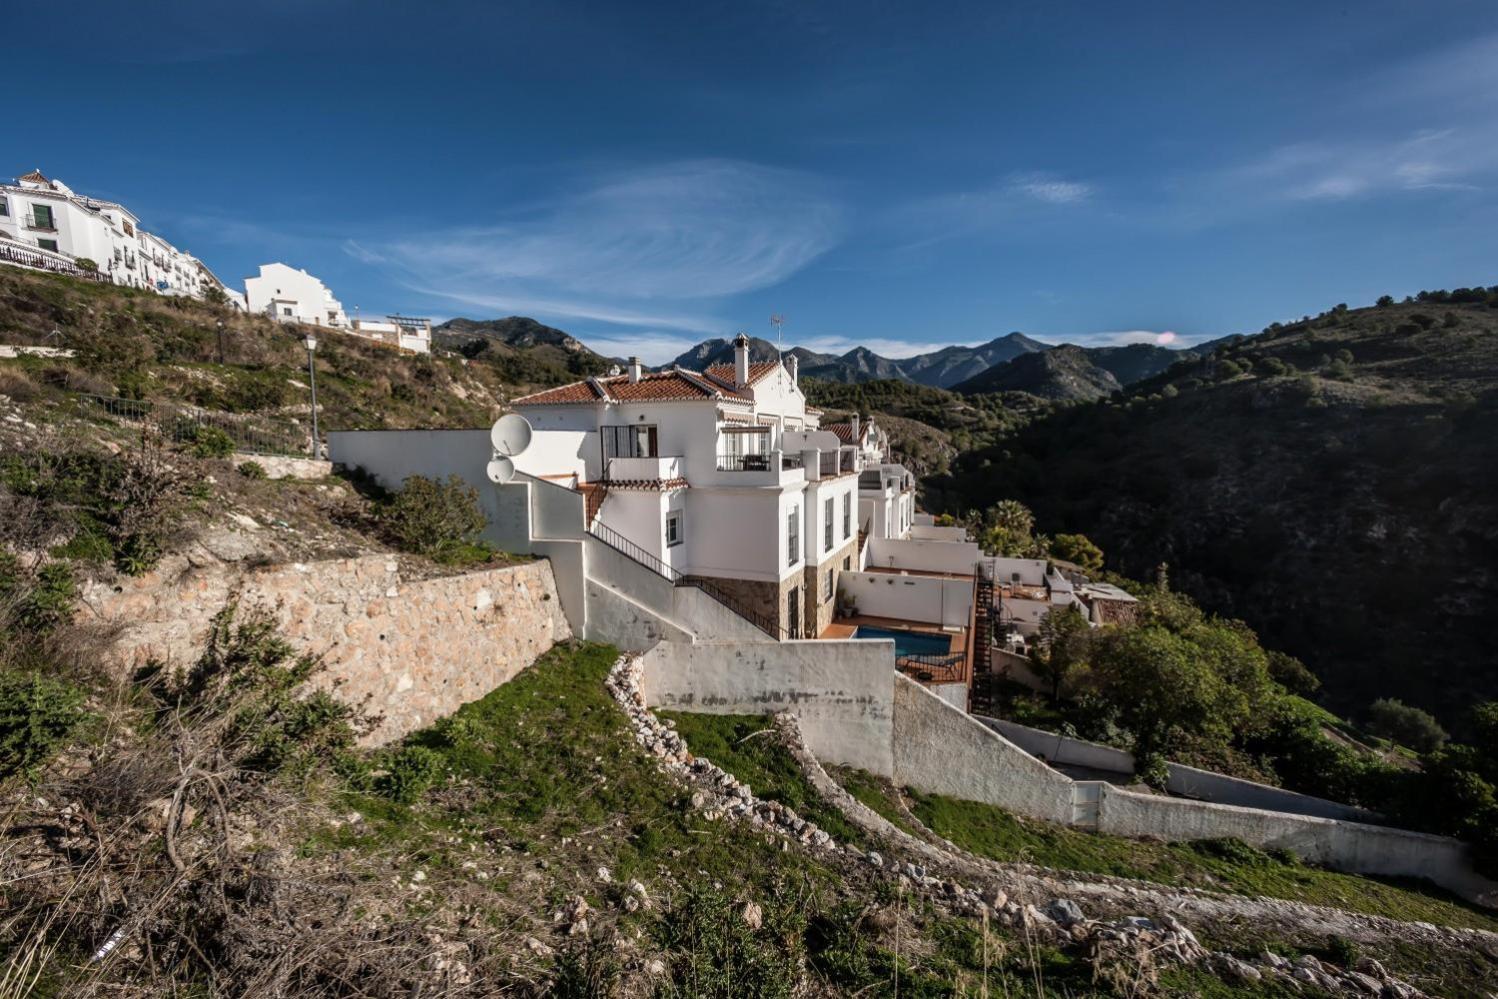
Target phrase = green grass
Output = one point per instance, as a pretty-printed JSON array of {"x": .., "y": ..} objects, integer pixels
[
  {"x": 874, "y": 794},
  {"x": 544, "y": 773},
  {"x": 747, "y": 747},
  {"x": 1227, "y": 866}
]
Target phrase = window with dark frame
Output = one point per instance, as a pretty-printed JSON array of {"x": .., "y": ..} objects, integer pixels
[
  {"x": 793, "y": 537},
  {"x": 47, "y": 244},
  {"x": 828, "y": 595},
  {"x": 673, "y": 529},
  {"x": 827, "y": 511},
  {"x": 4, "y": 207},
  {"x": 41, "y": 217},
  {"x": 631, "y": 440},
  {"x": 847, "y": 515}
]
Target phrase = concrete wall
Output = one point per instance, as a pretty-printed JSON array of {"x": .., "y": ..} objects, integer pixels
[
  {"x": 927, "y": 556},
  {"x": 928, "y": 599},
  {"x": 840, "y": 691},
  {"x": 410, "y": 649},
  {"x": 942, "y": 750},
  {"x": 1182, "y": 780},
  {"x": 928, "y": 532}
]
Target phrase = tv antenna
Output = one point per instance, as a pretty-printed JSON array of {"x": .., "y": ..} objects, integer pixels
[{"x": 778, "y": 321}]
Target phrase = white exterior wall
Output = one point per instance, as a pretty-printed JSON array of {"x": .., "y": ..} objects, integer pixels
[
  {"x": 838, "y": 690},
  {"x": 947, "y": 603},
  {"x": 1025, "y": 571},
  {"x": 926, "y": 556},
  {"x": 309, "y": 299}
]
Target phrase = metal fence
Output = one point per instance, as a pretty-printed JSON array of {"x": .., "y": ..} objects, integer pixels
[
  {"x": 926, "y": 668},
  {"x": 250, "y": 434}
]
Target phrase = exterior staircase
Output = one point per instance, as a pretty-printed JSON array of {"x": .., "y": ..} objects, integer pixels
[{"x": 981, "y": 687}]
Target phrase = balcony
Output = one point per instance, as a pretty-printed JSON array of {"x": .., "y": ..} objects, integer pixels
[
  {"x": 653, "y": 469},
  {"x": 766, "y": 468}
]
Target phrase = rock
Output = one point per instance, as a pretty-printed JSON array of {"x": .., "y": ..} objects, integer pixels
[
  {"x": 537, "y": 948},
  {"x": 874, "y": 858},
  {"x": 655, "y": 967},
  {"x": 996, "y": 898},
  {"x": 578, "y": 929},
  {"x": 605, "y": 875},
  {"x": 1137, "y": 923},
  {"x": 752, "y": 915},
  {"x": 575, "y": 909},
  {"x": 1064, "y": 911}
]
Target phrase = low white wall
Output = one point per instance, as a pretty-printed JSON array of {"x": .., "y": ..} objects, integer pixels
[
  {"x": 927, "y": 556},
  {"x": 838, "y": 690},
  {"x": 943, "y": 750},
  {"x": 928, "y": 599},
  {"x": 1188, "y": 782},
  {"x": 1026, "y": 571},
  {"x": 926, "y": 532},
  {"x": 1348, "y": 846},
  {"x": 392, "y": 456}
]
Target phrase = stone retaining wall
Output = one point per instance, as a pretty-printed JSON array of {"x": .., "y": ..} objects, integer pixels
[{"x": 411, "y": 650}]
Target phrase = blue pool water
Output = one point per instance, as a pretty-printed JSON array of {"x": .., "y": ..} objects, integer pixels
[{"x": 908, "y": 643}]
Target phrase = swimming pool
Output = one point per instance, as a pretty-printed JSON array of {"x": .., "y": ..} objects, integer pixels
[{"x": 909, "y": 643}]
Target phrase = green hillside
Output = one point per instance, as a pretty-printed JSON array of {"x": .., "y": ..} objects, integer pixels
[{"x": 1334, "y": 482}]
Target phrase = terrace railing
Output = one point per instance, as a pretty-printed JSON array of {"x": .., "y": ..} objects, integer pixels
[
  {"x": 45, "y": 260},
  {"x": 949, "y": 667}
]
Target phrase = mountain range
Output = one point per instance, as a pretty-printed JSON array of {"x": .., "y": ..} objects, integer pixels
[{"x": 1010, "y": 363}]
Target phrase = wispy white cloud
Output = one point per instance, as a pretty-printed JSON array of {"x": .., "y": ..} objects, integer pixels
[
  {"x": 644, "y": 248},
  {"x": 1050, "y": 189},
  {"x": 1446, "y": 159}
]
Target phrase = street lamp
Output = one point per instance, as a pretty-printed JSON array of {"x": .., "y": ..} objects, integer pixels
[
  {"x": 221, "y": 341},
  {"x": 311, "y": 343}
]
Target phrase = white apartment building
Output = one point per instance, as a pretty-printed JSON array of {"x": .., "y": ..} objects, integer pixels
[
  {"x": 290, "y": 295},
  {"x": 45, "y": 225},
  {"x": 721, "y": 476},
  {"x": 886, "y": 490},
  {"x": 405, "y": 332}
]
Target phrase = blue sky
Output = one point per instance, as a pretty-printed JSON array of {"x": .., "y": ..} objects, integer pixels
[{"x": 898, "y": 175}]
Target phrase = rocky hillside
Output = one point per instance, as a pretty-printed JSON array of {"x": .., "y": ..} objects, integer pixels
[
  {"x": 521, "y": 348},
  {"x": 1332, "y": 481}
]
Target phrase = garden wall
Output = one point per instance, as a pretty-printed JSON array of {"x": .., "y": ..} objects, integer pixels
[{"x": 411, "y": 650}]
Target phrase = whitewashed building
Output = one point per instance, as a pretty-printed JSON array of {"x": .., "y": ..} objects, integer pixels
[
  {"x": 722, "y": 476},
  {"x": 46, "y": 225},
  {"x": 405, "y": 332},
  {"x": 291, "y": 295}
]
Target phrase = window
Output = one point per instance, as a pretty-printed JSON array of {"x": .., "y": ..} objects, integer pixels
[
  {"x": 47, "y": 244},
  {"x": 41, "y": 217},
  {"x": 629, "y": 441},
  {"x": 827, "y": 524},
  {"x": 4, "y": 207},
  {"x": 847, "y": 515},
  {"x": 827, "y": 594},
  {"x": 793, "y": 537},
  {"x": 847, "y": 563},
  {"x": 673, "y": 529},
  {"x": 285, "y": 310}
]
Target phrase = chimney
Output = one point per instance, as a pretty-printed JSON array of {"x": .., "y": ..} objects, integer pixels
[
  {"x": 792, "y": 366},
  {"x": 634, "y": 369},
  {"x": 853, "y": 424},
  {"x": 740, "y": 361}
]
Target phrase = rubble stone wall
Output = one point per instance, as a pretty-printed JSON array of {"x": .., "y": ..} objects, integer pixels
[{"x": 408, "y": 649}]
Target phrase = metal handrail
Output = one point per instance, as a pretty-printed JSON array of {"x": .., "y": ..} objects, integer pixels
[
  {"x": 754, "y": 461},
  {"x": 630, "y": 550},
  {"x": 929, "y": 668}
]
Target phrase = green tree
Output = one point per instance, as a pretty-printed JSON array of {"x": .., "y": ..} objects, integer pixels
[
  {"x": 432, "y": 518},
  {"x": 1079, "y": 550},
  {"x": 1062, "y": 646},
  {"x": 1384, "y": 301},
  {"x": 1405, "y": 724}
]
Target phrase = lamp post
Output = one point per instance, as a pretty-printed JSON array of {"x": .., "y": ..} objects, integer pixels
[
  {"x": 221, "y": 341},
  {"x": 311, "y": 343}
]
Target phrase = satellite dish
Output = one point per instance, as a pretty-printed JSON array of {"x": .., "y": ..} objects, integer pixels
[
  {"x": 511, "y": 435},
  {"x": 500, "y": 470}
]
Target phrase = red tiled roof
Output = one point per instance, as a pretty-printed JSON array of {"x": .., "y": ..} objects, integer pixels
[
  {"x": 844, "y": 431},
  {"x": 35, "y": 177},
  {"x": 723, "y": 373},
  {"x": 652, "y": 484},
  {"x": 677, "y": 384}
]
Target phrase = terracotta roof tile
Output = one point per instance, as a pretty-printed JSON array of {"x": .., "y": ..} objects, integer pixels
[
  {"x": 723, "y": 373},
  {"x": 35, "y": 177},
  {"x": 663, "y": 386},
  {"x": 844, "y": 431}
]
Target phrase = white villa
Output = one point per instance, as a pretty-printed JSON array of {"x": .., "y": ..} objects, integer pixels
[
  {"x": 45, "y": 225},
  {"x": 290, "y": 295},
  {"x": 405, "y": 332},
  {"x": 722, "y": 476}
]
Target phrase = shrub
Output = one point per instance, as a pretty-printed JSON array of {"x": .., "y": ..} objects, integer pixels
[
  {"x": 411, "y": 770},
  {"x": 1384, "y": 301},
  {"x": 1292, "y": 674},
  {"x": 206, "y": 441},
  {"x": 432, "y": 518},
  {"x": 252, "y": 469},
  {"x": 1078, "y": 549},
  {"x": 38, "y": 715},
  {"x": 1405, "y": 724},
  {"x": 715, "y": 952},
  {"x": 1272, "y": 366},
  {"x": 86, "y": 263},
  {"x": 1232, "y": 850}
]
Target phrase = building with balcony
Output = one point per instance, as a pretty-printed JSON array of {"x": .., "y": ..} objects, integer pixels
[
  {"x": 405, "y": 332},
  {"x": 290, "y": 295},
  {"x": 46, "y": 225},
  {"x": 722, "y": 478}
]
